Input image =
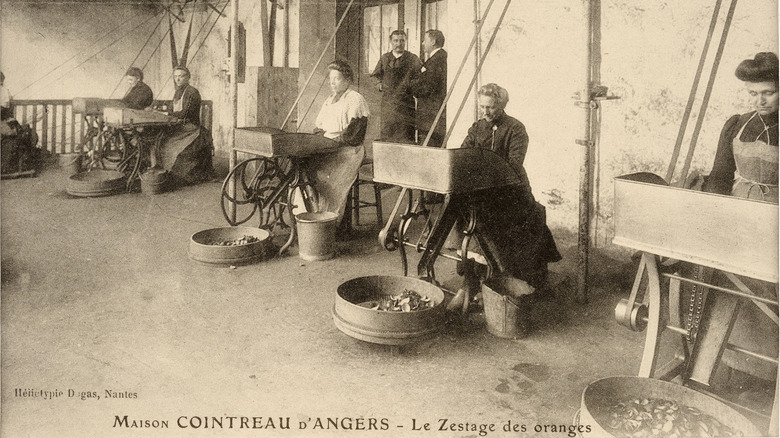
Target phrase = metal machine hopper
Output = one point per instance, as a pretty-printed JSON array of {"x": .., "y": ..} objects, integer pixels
[{"x": 458, "y": 174}]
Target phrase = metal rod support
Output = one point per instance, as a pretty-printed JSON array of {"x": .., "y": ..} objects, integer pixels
[
  {"x": 732, "y": 347},
  {"x": 476, "y": 73},
  {"x": 692, "y": 96},
  {"x": 317, "y": 64},
  {"x": 457, "y": 75},
  {"x": 723, "y": 289},
  {"x": 708, "y": 92}
]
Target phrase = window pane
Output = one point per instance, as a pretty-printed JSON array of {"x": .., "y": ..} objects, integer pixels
[
  {"x": 378, "y": 23},
  {"x": 372, "y": 34},
  {"x": 435, "y": 15},
  {"x": 389, "y": 24}
]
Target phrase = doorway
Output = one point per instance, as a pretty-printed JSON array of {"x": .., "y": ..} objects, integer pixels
[
  {"x": 365, "y": 35},
  {"x": 362, "y": 39}
]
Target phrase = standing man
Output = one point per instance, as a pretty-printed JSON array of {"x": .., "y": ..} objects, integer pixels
[
  {"x": 394, "y": 72},
  {"x": 430, "y": 88}
]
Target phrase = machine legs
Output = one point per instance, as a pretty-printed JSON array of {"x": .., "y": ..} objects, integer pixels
[
  {"x": 721, "y": 312},
  {"x": 656, "y": 321},
  {"x": 700, "y": 354}
]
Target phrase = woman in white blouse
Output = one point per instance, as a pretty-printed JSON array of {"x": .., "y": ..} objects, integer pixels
[
  {"x": 344, "y": 115},
  {"x": 344, "y": 119}
]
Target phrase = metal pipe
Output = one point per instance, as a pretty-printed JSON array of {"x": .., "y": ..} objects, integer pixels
[
  {"x": 583, "y": 232},
  {"x": 692, "y": 96},
  {"x": 233, "y": 100},
  {"x": 457, "y": 75},
  {"x": 708, "y": 91},
  {"x": 595, "y": 121},
  {"x": 317, "y": 64},
  {"x": 476, "y": 73}
]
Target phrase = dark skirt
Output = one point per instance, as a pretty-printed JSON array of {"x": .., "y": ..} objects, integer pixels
[
  {"x": 186, "y": 153},
  {"x": 512, "y": 226}
]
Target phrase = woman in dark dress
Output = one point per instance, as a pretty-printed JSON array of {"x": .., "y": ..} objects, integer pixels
[
  {"x": 746, "y": 165},
  {"x": 746, "y": 161},
  {"x": 509, "y": 220},
  {"x": 186, "y": 151},
  {"x": 139, "y": 95}
]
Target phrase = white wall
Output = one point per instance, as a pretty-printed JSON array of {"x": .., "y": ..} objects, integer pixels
[
  {"x": 66, "y": 50},
  {"x": 650, "y": 54}
]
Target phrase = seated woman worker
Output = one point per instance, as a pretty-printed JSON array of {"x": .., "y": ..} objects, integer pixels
[
  {"x": 344, "y": 119},
  {"x": 746, "y": 166},
  {"x": 186, "y": 149},
  {"x": 510, "y": 224},
  {"x": 138, "y": 95}
]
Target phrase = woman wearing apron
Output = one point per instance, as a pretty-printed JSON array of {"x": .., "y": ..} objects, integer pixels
[
  {"x": 344, "y": 119},
  {"x": 746, "y": 165}
]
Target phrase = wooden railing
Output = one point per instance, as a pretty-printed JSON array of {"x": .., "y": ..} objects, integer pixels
[{"x": 62, "y": 131}]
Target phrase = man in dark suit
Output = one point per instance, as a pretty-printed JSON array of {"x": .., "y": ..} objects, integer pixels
[
  {"x": 430, "y": 88},
  {"x": 394, "y": 72}
]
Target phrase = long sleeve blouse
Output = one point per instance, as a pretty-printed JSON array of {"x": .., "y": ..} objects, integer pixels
[
  {"x": 344, "y": 119},
  {"x": 506, "y": 136},
  {"x": 139, "y": 96}
]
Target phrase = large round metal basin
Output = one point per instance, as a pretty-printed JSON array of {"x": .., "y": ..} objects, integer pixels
[
  {"x": 384, "y": 327},
  {"x": 96, "y": 182},
  {"x": 208, "y": 246},
  {"x": 601, "y": 395}
]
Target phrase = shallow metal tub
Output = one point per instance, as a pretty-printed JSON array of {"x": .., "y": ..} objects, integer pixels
[
  {"x": 442, "y": 171},
  {"x": 723, "y": 232},
  {"x": 599, "y": 396},
  {"x": 271, "y": 142}
]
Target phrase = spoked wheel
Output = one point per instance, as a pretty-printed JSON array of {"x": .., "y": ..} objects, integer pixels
[
  {"x": 258, "y": 186},
  {"x": 271, "y": 189},
  {"x": 111, "y": 151},
  {"x": 130, "y": 163}
]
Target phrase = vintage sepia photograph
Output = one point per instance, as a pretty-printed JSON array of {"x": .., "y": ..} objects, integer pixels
[{"x": 389, "y": 218}]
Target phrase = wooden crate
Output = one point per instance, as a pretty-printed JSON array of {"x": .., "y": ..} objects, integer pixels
[{"x": 723, "y": 232}]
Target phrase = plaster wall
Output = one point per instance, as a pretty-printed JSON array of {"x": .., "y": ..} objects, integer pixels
[
  {"x": 650, "y": 53},
  {"x": 64, "y": 50},
  {"x": 207, "y": 61}
]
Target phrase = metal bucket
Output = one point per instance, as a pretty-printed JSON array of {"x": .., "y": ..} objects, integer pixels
[
  {"x": 353, "y": 315},
  {"x": 71, "y": 163},
  {"x": 507, "y": 307},
  {"x": 154, "y": 181},
  {"x": 316, "y": 235},
  {"x": 601, "y": 395}
]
